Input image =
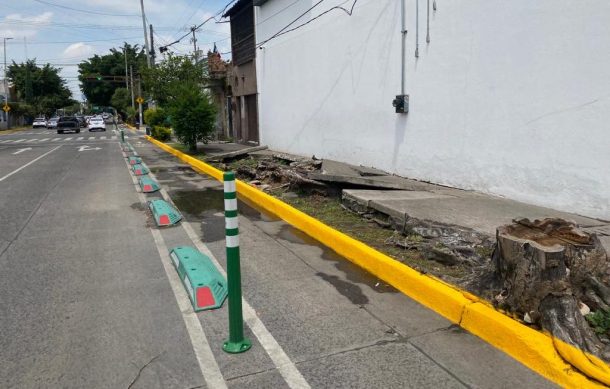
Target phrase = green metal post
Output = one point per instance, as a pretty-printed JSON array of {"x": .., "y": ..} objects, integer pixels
[
  {"x": 236, "y": 343},
  {"x": 122, "y": 135}
]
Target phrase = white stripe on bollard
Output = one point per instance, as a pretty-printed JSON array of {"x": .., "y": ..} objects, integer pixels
[
  {"x": 233, "y": 241},
  {"x": 231, "y": 223},
  {"x": 230, "y": 204},
  {"x": 229, "y": 186}
]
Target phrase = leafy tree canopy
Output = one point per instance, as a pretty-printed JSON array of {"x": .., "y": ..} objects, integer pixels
[
  {"x": 191, "y": 113},
  {"x": 100, "y": 92},
  {"x": 165, "y": 80},
  {"x": 40, "y": 88},
  {"x": 121, "y": 99}
]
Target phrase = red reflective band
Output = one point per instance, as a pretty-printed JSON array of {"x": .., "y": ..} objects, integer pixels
[
  {"x": 147, "y": 187},
  {"x": 133, "y": 162},
  {"x": 204, "y": 297},
  {"x": 164, "y": 219},
  {"x": 139, "y": 171}
]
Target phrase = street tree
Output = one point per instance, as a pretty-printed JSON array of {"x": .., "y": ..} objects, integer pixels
[
  {"x": 40, "y": 89},
  {"x": 191, "y": 113},
  {"x": 121, "y": 99},
  {"x": 165, "y": 80},
  {"x": 93, "y": 73}
]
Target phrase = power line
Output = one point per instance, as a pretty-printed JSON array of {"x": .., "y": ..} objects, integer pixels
[
  {"x": 81, "y": 41},
  {"x": 200, "y": 25},
  {"x": 82, "y": 10},
  {"x": 285, "y": 31}
]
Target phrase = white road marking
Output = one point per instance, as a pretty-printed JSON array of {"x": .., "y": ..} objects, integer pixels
[
  {"x": 80, "y": 138},
  {"x": 20, "y": 140},
  {"x": 56, "y": 139},
  {"x": 45, "y": 139},
  {"x": 31, "y": 140},
  {"x": 91, "y": 137},
  {"x": 67, "y": 139},
  {"x": 201, "y": 347},
  {"x": 6, "y": 141},
  {"x": 102, "y": 137},
  {"x": 87, "y": 148},
  {"x": 113, "y": 137},
  {"x": 281, "y": 360},
  {"x": 22, "y": 150},
  {"x": 28, "y": 164}
]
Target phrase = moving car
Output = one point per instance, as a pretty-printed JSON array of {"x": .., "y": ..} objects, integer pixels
[
  {"x": 68, "y": 123},
  {"x": 39, "y": 122},
  {"x": 52, "y": 123},
  {"x": 82, "y": 121},
  {"x": 97, "y": 123}
]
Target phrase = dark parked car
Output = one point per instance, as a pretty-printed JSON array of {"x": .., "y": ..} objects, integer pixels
[
  {"x": 68, "y": 123},
  {"x": 82, "y": 121}
]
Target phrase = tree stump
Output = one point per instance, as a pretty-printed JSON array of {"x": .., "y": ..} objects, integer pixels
[{"x": 548, "y": 270}]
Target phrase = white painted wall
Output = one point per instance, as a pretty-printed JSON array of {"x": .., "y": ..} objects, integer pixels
[{"x": 509, "y": 98}]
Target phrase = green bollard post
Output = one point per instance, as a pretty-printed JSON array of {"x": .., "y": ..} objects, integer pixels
[
  {"x": 236, "y": 342},
  {"x": 122, "y": 135}
]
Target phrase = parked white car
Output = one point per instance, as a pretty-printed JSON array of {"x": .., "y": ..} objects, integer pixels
[
  {"x": 96, "y": 123},
  {"x": 39, "y": 122}
]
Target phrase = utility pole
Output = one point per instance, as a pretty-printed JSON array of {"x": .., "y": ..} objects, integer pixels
[
  {"x": 6, "y": 81},
  {"x": 140, "y": 104},
  {"x": 152, "y": 47},
  {"x": 194, "y": 39},
  {"x": 133, "y": 101},
  {"x": 145, "y": 33},
  {"x": 126, "y": 72}
]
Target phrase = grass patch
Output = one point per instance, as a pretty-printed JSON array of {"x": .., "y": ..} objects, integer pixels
[{"x": 330, "y": 211}]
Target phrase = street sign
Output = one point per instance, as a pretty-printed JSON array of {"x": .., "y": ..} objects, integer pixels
[
  {"x": 6, "y": 108},
  {"x": 139, "y": 100}
]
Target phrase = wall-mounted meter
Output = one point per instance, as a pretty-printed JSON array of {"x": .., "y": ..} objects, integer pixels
[{"x": 401, "y": 103}]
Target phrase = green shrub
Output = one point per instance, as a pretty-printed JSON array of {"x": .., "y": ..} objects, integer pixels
[
  {"x": 161, "y": 133},
  {"x": 155, "y": 117}
]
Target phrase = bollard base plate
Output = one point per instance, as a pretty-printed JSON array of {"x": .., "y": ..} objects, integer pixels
[{"x": 237, "y": 347}]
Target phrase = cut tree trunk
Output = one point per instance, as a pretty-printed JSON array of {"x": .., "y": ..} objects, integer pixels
[{"x": 548, "y": 269}]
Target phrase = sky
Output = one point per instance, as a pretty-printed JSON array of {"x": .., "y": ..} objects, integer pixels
[{"x": 52, "y": 33}]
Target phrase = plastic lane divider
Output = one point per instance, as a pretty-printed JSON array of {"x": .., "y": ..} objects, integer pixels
[
  {"x": 148, "y": 185},
  {"x": 204, "y": 284},
  {"x": 163, "y": 213}
]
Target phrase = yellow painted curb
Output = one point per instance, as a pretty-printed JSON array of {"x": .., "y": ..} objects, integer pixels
[
  {"x": 13, "y": 131},
  {"x": 538, "y": 351}
]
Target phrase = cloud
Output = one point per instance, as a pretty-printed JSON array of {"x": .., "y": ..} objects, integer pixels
[
  {"x": 16, "y": 25},
  {"x": 79, "y": 49}
]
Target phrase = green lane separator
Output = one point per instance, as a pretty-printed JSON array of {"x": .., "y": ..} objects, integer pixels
[
  {"x": 134, "y": 160},
  {"x": 163, "y": 213},
  {"x": 148, "y": 185},
  {"x": 140, "y": 169},
  {"x": 236, "y": 343},
  {"x": 204, "y": 284}
]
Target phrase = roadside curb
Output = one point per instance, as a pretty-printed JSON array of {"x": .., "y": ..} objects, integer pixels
[
  {"x": 9, "y": 132},
  {"x": 538, "y": 351}
]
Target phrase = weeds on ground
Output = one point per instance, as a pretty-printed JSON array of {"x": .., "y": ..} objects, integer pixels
[{"x": 600, "y": 321}]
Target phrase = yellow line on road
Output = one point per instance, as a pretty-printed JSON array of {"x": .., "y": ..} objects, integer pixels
[{"x": 538, "y": 351}]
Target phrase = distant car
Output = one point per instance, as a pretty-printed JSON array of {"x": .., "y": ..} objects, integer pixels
[
  {"x": 52, "y": 123},
  {"x": 82, "y": 121},
  {"x": 39, "y": 122},
  {"x": 68, "y": 123},
  {"x": 96, "y": 123}
]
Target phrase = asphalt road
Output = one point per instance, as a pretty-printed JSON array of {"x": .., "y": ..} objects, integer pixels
[{"x": 88, "y": 297}]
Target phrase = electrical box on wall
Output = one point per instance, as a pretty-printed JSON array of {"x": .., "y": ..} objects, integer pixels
[{"x": 401, "y": 103}]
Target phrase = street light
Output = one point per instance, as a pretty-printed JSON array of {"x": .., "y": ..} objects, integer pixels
[{"x": 5, "y": 81}]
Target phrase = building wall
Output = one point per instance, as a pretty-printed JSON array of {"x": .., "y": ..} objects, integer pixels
[
  {"x": 242, "y": 79},
  {"x": 509, "y": 97}
]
